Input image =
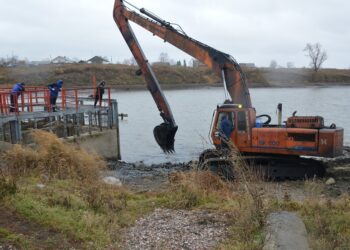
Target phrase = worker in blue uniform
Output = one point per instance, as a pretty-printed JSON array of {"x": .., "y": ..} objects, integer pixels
[
  {"x": 55, "y": 88},
  {"x": 16, "y": 91},
  {"x": 226, "y": 128}
]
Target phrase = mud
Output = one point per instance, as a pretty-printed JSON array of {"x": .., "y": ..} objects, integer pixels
[
  {"x": 142, "y": 178},
  {"x": 339, "y": 169}
]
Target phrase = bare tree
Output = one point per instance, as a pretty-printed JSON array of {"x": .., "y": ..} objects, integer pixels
[
  {"x": 2, "y": 61},
  {"x": 316, "y": 54},
  {"x": 273, "y": 64}
]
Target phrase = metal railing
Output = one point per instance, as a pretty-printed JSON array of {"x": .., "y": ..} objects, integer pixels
[{"x": 37, "y": 99}]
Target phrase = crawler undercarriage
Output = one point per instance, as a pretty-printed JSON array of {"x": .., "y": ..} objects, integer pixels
[{"x": 269, "y": 167}]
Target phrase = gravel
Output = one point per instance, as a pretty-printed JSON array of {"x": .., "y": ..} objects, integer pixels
[{"x": 177, "y": 229}]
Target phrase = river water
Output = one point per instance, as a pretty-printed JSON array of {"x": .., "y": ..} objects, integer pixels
[{"x": 193, "y": 109}]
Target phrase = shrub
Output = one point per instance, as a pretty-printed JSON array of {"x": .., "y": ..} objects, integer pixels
[{"x": 53, "y": 158}]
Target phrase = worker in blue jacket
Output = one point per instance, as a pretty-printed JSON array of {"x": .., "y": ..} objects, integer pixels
[
  {"x": 226, "y": 128},
  {"x": 16, "y": 91},
  {"x": 54, "y": 88}
]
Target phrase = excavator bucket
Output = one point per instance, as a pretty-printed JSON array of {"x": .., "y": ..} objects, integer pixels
[{"x": 165, "y": 136}]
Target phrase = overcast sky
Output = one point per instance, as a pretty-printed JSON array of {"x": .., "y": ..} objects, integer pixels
[{"x": 255, "y": 31}]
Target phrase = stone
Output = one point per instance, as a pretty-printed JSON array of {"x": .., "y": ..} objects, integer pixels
[
  {"x": 330, "y": 181},
  {"x": 40, "y": 185},
  {"x": 112, "y": 181}
]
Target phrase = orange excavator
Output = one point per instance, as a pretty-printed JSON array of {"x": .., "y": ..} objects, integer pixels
[{"x": 279, "y": 147}]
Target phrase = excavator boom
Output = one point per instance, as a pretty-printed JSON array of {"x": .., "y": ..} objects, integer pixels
[{"x": 221, "y": 63}]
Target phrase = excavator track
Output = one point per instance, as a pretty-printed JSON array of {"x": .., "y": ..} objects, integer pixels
[
  {"x": 286, "y": 168},
  {"x": 218, "y": 162},
  {"x": 269, "y": 167}
]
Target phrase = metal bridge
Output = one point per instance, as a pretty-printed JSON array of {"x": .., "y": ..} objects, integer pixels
[{"x": 73, "y": 115}]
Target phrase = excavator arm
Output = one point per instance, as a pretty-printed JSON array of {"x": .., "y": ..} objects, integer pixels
[
  {"x": 221, "y": 63},
  {"x": 165, "y": 132}
]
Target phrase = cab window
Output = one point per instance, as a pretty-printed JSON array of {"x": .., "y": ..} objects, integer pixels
[
  {"x": 231, "y": 117},
  {"x": 242, "y": 122}
]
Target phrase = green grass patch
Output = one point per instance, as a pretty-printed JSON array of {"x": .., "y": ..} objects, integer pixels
[
  {"x": 327, "y": 221},
  {"x": 7, "y": 187},
  {"x": 78, "y": 212},
  {"x": 14, "y": 239}
]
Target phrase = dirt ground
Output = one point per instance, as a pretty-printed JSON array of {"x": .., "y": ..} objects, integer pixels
[{"x": 27, "y": 231}]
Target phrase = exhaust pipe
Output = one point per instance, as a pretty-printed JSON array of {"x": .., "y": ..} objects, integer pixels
[{"x": 279, "y": 114}]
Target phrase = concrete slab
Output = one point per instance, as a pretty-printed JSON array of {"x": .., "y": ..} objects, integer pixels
[{"x": 285, "y": 231}]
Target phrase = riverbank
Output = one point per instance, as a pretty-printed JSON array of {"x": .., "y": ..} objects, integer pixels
[
  {"x": 65, "y": 202},
  {"x": 123, "y": 77}
]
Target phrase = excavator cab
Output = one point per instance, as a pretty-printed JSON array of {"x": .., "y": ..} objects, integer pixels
[{"x": 242, "y": 119}]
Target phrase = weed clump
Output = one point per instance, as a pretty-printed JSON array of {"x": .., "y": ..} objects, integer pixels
[
  {"x": 196, "y": 188},
  {"x": 327, "y": 222},
  {"x": 52, "y": 158},
  {"x": 203, "y": 181},
  {"x": 7, "y": 186}
]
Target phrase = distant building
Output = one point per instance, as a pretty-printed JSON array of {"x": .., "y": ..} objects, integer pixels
[
  {"x": 248, "y": 65},
  {"x": 98, "y": 60},
  {"x": 197, "y": 64},
  {"x": 36, "y": 63},
  {"x": 61, "y": 60}
]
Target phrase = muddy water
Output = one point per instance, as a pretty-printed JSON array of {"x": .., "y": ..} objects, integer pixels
[{"x": 193, "y": 111}]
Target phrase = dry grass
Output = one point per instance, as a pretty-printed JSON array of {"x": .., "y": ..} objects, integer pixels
[
  {"x": 114, "y": 75},
  {"x": 7, "y": 186},
  {"x": 201, "y": 181},
  {"x": 124, "y": 76},
  {"x": 241, "y": 200},
  {"x": 327, "y": 220},
  {"x": 75, "y": 202},
  {"x": 52, "y": 158}
]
